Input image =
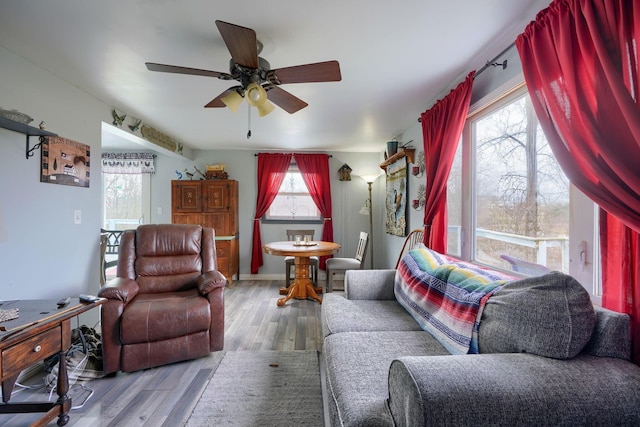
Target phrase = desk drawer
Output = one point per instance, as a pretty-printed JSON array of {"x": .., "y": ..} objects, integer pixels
[{"x": 32, "y": 350}]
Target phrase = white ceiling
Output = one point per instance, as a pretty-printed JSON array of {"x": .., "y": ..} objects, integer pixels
[{"x": 396, "y": 59}]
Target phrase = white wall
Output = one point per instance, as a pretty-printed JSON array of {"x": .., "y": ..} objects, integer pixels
[
  {"x": 45, "y": 255},
  {"x": 241, "y": 165}
]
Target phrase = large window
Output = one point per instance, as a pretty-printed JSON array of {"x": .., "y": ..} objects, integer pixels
[
  {"x": 126, "y": 200},
  {"x": 293, "y": 202},
  {"x": 519, "y": 194}
]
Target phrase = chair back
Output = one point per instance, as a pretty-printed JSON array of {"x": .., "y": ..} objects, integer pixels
[
  {"x": 112, "y": 243},
  {"x": 413, "y": 238},
  {"x": 291, "y": 234},
  {"x": 109, "y": 246},
  {"x": 361, "y": 250},
  {"x": 166, "y": 257}
]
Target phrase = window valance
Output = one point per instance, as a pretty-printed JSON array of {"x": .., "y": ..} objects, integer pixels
[{"x": 128, "y": 163}]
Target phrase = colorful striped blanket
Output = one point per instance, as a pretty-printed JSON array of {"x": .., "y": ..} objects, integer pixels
[{"x": 446, "y": 296}]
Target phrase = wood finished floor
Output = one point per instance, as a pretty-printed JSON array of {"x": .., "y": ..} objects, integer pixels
[{"x": 165, "y": 396}]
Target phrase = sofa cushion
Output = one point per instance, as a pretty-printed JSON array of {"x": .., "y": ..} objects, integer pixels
[
  {"x": 357, "y": 367},
  {"x": 549, "y": 315},
  {"x": 340, "y": 314},
  {"x": 445, "y": 298}
]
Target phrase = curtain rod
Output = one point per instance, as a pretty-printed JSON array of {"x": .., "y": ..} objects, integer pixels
[
  {"x": 491, "y": 63},
  {"x": 257, "y": 154}
]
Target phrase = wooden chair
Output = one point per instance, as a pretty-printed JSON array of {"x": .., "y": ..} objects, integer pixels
[
  {"x": 413, "y": 238},
  {"x": 109, "y": 247},
  {"x": 340, "y": 265},
  {"x": 289, "y": 261}
]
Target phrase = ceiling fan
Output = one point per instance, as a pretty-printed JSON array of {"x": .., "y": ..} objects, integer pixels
[{"x": 258, "y": 82}]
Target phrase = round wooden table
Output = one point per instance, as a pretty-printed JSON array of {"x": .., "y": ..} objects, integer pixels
[{"x": 302, "y": 287}]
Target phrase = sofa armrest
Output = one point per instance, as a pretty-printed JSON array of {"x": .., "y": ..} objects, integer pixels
[
  {"x": 210, "y": 280},
  {"x": 513, "y": 389},
  {"x": 369, "y": 284}
]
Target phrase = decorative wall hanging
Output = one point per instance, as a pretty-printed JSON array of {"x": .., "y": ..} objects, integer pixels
[
  {"x": 158, "y": 138},
  {"x": 128, "y": 163},
  {"x": 396, "y": 198},
  {"x": 65, "y": 162},
  {"x": 345, "y": 172}
]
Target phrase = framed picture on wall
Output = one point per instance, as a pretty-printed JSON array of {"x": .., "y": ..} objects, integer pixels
[
  {"x": 396, "y": 198},
  {"x": 65, "y": 162}
]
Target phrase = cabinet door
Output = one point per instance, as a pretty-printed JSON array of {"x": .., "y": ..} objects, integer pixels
[
  {"x": 221, "y": 223},
  {"x": 216, "y": 196},
  {"x": 221, "y": 206},
  {"x": 186, "y": 196}
]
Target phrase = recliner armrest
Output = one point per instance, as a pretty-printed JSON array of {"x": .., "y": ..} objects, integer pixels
[
  {"x": 120, "y": 289},
  {"x": 210, "y": 280}
]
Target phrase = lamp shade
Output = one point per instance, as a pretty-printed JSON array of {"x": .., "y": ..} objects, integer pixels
[
  {"x": 370, "y": 178},
  {"x": 265, "y": 108},
  {"x": 255, "y": 94},
  {"x": 233, "y": 100}
]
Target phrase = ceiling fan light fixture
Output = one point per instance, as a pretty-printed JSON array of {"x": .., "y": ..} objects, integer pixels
[
  {"x": 255, "y": 94},
  {"x": 265, "y": 108},
  {"x": 233, "y": 100}
]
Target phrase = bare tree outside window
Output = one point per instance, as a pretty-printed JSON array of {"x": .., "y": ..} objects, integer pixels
[
  {"x": 123, "y": 200},
  {"x": 520, "y": 189},
  {"x": 521, "y": 194}
]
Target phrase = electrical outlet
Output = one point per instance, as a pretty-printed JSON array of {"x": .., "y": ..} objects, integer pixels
[
  {"x": 159, "y": 210},
  {"x": 77, "y": 216}
]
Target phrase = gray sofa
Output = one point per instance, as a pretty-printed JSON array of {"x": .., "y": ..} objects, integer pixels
[{"x": 382, "y": 369}]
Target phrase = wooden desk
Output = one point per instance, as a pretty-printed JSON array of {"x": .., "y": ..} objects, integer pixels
[
  {"x": 302, "y": 287},
  {"x": 40, "y": 331}
]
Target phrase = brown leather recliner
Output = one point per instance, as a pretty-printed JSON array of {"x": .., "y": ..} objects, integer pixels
[{"x": 167, "y": 302}]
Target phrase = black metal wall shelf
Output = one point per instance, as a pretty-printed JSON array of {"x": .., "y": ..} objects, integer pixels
[{"x": 26, "y": 130}]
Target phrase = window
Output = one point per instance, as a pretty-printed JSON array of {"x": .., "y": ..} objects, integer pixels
[
  {"x": 126, "y": 200},
  {"x": 519, "y": 194},
  {"x": 126, "y": 186},
  {"x": 293, "y": 202}
]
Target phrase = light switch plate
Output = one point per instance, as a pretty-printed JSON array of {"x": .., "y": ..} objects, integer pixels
[{"x": 77, "y": 216}]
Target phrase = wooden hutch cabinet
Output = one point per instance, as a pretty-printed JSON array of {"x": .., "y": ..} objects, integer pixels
[{"x": 211, "y": 203}]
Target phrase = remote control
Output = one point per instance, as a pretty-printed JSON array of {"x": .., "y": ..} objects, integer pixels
[
  {"x": 87, "y": 298},
  {"x": 64, "y": 302}
]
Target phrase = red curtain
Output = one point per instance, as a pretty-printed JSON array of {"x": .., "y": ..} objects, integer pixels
[
  {"x": 581, "y": 67},
  {"x": 272, "y": 168},
  {"x": 441, "y": 129},
  {"x": 315, "y": 173}
]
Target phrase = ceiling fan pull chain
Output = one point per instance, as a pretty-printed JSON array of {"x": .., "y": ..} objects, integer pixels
[{"x": 249, "y": 121}]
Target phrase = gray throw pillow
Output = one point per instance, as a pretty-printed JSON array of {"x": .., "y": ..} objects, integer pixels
[{"x": 550, "y": 315}]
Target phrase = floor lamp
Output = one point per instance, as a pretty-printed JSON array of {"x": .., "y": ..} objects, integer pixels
[{"x": 367, "y": 209}]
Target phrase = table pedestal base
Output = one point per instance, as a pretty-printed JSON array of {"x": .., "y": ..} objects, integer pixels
[{"x": 302, "y": 287}]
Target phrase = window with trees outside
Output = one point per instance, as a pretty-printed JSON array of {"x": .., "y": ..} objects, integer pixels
[
  {"x": 293, "y": 202},
  {"x": 505, "y": 169},
  {"x": 126, "y": 200}
]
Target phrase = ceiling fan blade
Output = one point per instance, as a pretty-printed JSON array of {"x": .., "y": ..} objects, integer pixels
[
  {"x": 151, "y": 66},
  {"x": 217, "y": 101},
  {"x": 241, "y": 42},
  {"x": 328, "y": 71},
  {"x": 285, "y": 100}
]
